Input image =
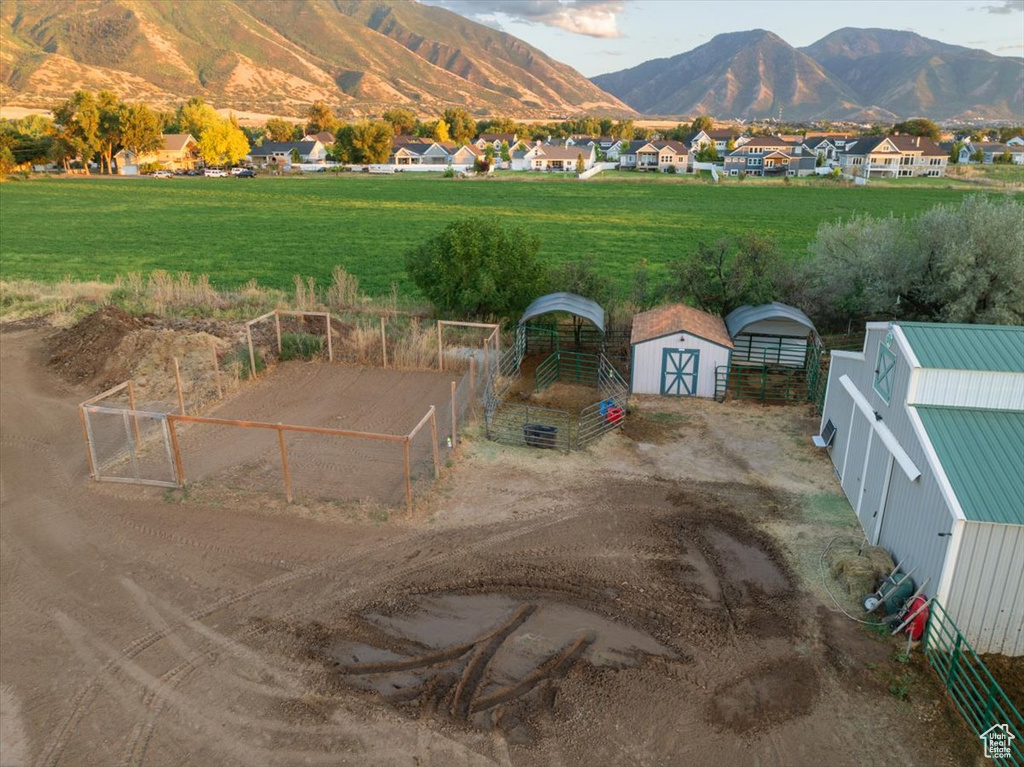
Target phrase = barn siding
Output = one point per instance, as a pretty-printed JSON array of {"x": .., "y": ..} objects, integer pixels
[
  {"x": 986, "y": 598},
  {"x": 968, "y": 388},
  {"x": 647, "y": 357},
  {"x": 915, "y": 512}
]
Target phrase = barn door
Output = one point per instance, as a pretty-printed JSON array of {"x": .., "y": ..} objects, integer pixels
[{"x": 679, "y": 371}]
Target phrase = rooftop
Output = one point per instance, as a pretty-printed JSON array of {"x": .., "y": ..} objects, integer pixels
[
  {"x": 677, "y": 318},
  {"x": 998, "y": 348},
  {"x": 982, "y": 454}
]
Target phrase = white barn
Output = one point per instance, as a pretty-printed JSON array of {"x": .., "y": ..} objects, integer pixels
[
  {"x": 925, "y": 428},
  {"x": 675, "y": 350}
]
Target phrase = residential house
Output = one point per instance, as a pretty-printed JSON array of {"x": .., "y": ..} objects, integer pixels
[
  {"x": 284, "y": 153},
  {"x": 893, "y": 157},
  {"x": 655, "y": 155},
  {"x": 820, "y": 145},
  {"x": 420, "y": 152},
  {"x": 324, "y": 137},
  {"x": 179, "y": 151},
  {"x": 495, "y": 140},
  {"x": 996, "y": 151},
  {"x": 770, "y": 156},
  {"x": 1015, "y": 141},
  {"x": 561, "y": 158},
  {"x": 719, "y": 137},
  {"x": 605, "y": 145}
]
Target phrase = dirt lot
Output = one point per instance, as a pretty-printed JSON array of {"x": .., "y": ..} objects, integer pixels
[{"x": 650, "y": 601}]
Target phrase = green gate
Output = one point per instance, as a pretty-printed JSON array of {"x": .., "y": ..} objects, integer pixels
[{"x": 978, "y": 696}]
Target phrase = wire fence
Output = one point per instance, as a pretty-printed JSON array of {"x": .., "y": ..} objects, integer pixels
[{"x": 170, "y": 443}]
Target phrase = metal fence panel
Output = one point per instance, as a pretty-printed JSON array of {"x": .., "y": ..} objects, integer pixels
[
  {"x": 980, "y": 699},
  {"x": 130, "y": 446}
]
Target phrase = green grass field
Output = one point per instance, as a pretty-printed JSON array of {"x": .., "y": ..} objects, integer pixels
[{"x": 273, "y": 228}]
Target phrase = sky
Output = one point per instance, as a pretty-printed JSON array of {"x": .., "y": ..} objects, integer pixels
[{"x": 598, "y": 36}]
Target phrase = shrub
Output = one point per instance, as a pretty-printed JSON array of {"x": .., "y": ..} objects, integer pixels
[
  {"x": 300, "y": 346},
  {"x": 237, "y": 362}
]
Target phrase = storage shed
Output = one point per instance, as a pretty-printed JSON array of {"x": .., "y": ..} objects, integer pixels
[
  {"x": 674, "y": 350},
  {"x": 772, "y": 334},
  {"x": 925, "y": 427}
]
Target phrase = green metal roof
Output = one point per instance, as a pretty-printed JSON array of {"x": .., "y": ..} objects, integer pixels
[
  {"x": 998, "y": 348},
  {"x": 982, "y": 453}
]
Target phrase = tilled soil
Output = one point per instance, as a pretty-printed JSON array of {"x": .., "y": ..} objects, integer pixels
[{"x": 617, "y": 606}]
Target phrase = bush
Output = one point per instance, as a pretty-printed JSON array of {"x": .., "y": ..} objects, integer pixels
[
  {"x": 300, "y": 346},
  {"x": 476, "y": 266},
  {"x": 671, "y": 169},
  {"x": 237, "y": 362}
]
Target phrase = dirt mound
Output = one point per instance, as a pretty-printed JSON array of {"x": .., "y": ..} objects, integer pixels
[{"x": 84, "y": 353}]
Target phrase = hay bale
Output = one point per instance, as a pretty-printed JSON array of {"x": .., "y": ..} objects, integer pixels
[{"x": 859, "y": 570}]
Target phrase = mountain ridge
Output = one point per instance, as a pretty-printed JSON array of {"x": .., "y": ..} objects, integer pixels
[
  {"x": 851, "y": 73},
  {"x": 280, "y": 56}
]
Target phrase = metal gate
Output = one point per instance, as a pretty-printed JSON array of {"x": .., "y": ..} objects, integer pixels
[{"x": 132, "y": 446}]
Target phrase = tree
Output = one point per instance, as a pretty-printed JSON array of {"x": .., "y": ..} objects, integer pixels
[
  {"x": 707, "y": 152},
  {"x": 918, "y": 127},
  {"x": 1013, "y": 131},
  {"x": 280, "y": 130},
  {"x": 1005, "y": 158},
  {"x": 403, "y": 121},
  {"x": 223, "y": 143},
  {"x": 820, "y": 162},
  {"x": 477, "y": 266},
  {"x": 140, "y": 130},
  {"x": 978, "y": 155},
  {"x": 461, "y": 127},
  {"x": 580, "y": 165},
  {"x": 194, "y": 117},
  {"x": 702, "y": 123},
  {"x": 371, "y": 141},
  {"x": 730, "y": 273},
  {"x": 730, "y": 145},
  {"x": 320, "y": 118},
  {"x": 109, "y": 132},
  {"x": 76, "y": 128},
  {"x": 441, "y": 135},
  {"x": 7, "y": 161},
  {"x": 623, "y": 130},
  {"x": 954, "y": 152},
  {"x": 506, "y": 152},
  {"x": 960, "y": 263}
]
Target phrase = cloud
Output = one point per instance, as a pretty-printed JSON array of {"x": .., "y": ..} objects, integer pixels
[
  {"x": 593, "y": 18},
  {"x": 1010, "y": 48},
  {"x": 1004, "y": 8}
]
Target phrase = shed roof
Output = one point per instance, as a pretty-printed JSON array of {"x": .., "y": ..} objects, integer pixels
[
  {"x": 740, "y": 318},
  {"x": 982, "y": 453},
  {"x": 566, "y": 302},
  {"x": 676, "y": 318},
  {"x": 997, "y": 348}
]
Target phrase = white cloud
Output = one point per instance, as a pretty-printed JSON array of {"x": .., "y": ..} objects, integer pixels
[
  {"x": 593, "y": 18},
  {"x": 1005, "y": 7}
]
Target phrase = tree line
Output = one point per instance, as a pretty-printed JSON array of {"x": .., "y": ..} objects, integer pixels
[{"x": 953, "y": 263}]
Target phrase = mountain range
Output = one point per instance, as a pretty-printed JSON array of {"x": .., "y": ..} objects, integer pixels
[
  {"x": 856, "y": 74},
  {"x": 277, "y": 57}
]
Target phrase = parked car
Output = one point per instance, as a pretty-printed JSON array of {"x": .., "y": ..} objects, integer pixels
[
  {"x": 246, "y": 173},
  {"x": 236, "y": 170},
  {"x": 214, "y": 173},
  {"x": 162, "y": 174},
  {"x": 193, "y": 172}
]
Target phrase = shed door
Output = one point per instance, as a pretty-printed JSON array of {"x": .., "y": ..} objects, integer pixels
[{"x": 679, "y": 371}]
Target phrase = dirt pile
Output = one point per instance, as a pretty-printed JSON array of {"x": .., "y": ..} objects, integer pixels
[{"x": 84, "y": 353}]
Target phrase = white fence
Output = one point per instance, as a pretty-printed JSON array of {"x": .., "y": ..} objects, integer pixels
[{"x": 597, "y": 168}]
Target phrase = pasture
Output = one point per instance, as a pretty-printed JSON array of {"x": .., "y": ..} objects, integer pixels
[{"x": 270, "y": 229}]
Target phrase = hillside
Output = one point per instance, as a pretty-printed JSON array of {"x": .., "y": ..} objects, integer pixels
[
  {"x": 278, "y": 57},
  {"x": 867, "y": 74}
]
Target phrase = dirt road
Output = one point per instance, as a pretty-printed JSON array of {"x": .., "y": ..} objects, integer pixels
[{"x": 622, "y": 606}]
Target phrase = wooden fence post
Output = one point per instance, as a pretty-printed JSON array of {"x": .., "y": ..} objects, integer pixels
[
  {"x": 216, "y": 368},
  {"x": 177, "y": 382},
  {"x": 408, "y": 475},
  {"x": 433, "y": 441},
  {"x": 284, "y": 466},
  {"x": 277, "y": 327},
  {"x": 440, "y": 348},
  {"x": 135, "y": 418},
  {"x": 330, "y": 343},
  {"x": 88, "y": 442},
  {"x": 383, "y": 341},
  {"x": 252, "y": 353},
  {"x": 178, "y": 468},
  {"x": 472, "y": 379},
  {"x": 455, "y": 427},
  {"x": 487, "y": 358}
]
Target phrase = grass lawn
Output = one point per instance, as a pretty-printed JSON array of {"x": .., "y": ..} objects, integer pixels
[{"x": 273, "y": 228}]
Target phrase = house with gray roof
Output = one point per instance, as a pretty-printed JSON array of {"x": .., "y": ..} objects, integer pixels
[
  {"x": 283, "y": 153},
  {"x": 893, "y": 157}
]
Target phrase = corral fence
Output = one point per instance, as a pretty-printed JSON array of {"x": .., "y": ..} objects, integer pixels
[
  {"x": 526, "y": 424},
  {"x": 131, "y": 443},
  {"x": 981, "y": 701}
]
